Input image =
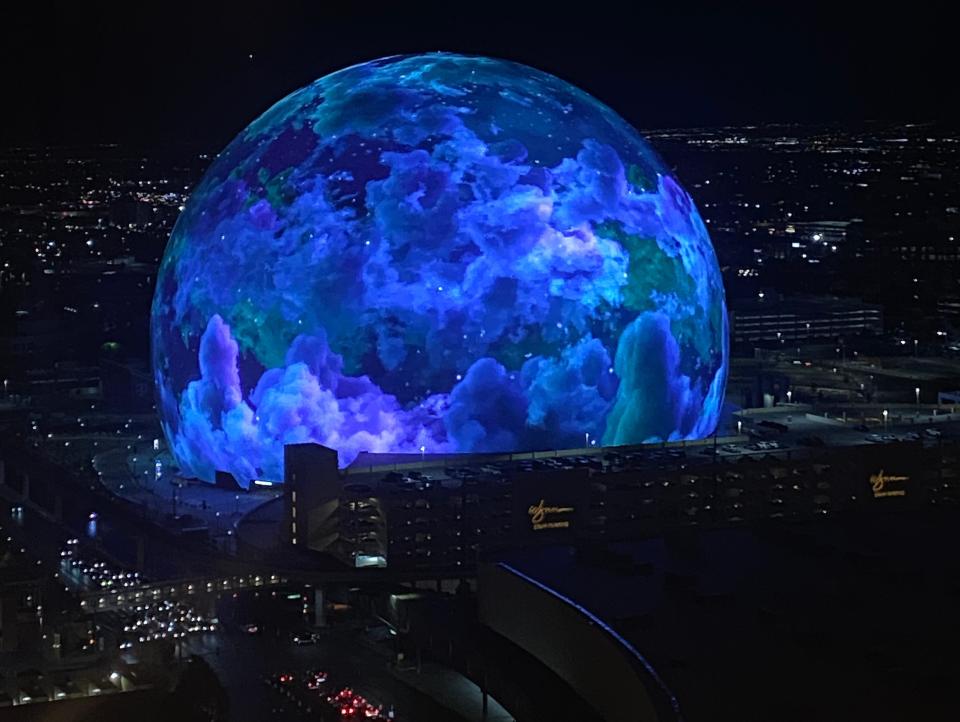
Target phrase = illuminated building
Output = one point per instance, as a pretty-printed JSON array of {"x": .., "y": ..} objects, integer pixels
[
  {"x": 801, "y": 318},
  {"x": 437, "y": 253},
  {"x": 949, "y": 307},
  {"x": 446, "y": 512}
]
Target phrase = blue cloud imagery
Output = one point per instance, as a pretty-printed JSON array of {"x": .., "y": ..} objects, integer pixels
[{"x": 439, "y": 251}]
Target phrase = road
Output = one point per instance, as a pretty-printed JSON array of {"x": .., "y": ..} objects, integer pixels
[{"x": 243, "y": 662}]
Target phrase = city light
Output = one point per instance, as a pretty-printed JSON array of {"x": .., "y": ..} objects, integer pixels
[{"x": 220, "y": 364}]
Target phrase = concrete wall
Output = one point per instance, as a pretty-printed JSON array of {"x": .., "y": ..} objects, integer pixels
[
  {"x": 311, "y": 478},
  {"x": 579, "y": 648}
]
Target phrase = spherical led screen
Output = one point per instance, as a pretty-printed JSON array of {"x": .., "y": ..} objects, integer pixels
[{"x": 435, "y": 253}]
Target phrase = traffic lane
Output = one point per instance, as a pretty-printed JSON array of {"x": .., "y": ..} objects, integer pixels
[
  {"x": 350, "y": 662},
  {"x": 241, "y": 665},
  {"x": 244, "y": 661}
]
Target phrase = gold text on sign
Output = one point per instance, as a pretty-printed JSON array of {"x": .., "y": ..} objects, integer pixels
[
  {"x": 879, "y": 481},
  {"x": 539, "y": 512}
]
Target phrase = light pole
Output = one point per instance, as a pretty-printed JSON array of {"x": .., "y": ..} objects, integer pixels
[
  {"x": 916, "y": 352},
  {"x": 789, "y": 397},
  {"x": 739, "y": 426},
  {"x": 586, "y": 439},
  {"x": 885, "y": 413},
  {"x": 916, "y": 391}
]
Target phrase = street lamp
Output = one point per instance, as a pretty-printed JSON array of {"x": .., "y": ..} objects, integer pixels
[
  {"x": 586, "y": 439},
  {"x": 739, "y": 427},
  {"x": 789, "y": 397},
  {"x": 885, "y": 413},
  {"x": 915, "y": 346},
  {"x": 916, "y": 391}
]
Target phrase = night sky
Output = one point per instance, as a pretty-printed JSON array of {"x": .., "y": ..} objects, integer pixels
[{"x": 76, "y": 72}]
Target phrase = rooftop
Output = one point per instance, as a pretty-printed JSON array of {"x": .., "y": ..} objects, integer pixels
[{"x": 763, "y": 432}]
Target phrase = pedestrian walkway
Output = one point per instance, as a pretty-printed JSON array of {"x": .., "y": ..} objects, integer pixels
[{"x": 454, "y": 691}]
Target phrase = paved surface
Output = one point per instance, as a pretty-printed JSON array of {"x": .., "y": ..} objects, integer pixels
[
  {"x": 132, "y": 475},
  {"x": 453, "y": 691},
  {"x": 243, "y": 662}
]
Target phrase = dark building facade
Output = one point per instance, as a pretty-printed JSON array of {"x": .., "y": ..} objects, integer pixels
[
  {"x": 450, "y": 512},
  {"x": 801, "y": 318}
]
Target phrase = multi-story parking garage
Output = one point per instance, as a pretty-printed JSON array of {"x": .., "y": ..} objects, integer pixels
[{"x": 445, "y": 512}]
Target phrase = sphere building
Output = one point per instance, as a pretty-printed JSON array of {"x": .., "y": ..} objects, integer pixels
[{"x": 437, "y": 252}]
